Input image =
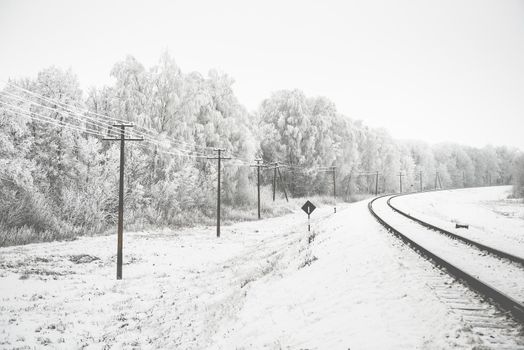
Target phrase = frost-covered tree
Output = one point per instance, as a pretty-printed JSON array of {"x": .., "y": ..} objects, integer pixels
[{"x": 59, "y": 179}]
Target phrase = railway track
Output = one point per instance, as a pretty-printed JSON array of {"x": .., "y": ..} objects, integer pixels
[
  {"x": 479, "y": 245},
  {"x": 414, "y": 232}
]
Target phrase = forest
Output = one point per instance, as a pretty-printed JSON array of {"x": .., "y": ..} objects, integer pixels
[{"x": 59, "y": 177}]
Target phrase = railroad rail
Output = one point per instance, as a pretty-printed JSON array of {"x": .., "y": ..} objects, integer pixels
[
  {"x": 491, "y": 250},
  {"x": 503, "y": 301}
]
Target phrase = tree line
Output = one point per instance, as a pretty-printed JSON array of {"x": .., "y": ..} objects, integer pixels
[{"x": 58, "y": 178}]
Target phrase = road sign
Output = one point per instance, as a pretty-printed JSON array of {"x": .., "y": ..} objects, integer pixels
[{"x": 308, "y": 207}]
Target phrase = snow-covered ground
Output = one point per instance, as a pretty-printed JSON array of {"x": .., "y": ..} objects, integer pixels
[
  {"x": 265, "y": 284},
  {"x": 506, "y": 276},
  {"x": 493, "y": 219}
]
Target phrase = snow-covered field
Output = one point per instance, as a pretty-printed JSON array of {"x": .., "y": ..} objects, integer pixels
[
  {"x": 493, "y": 219},
  {"x": 267, "y": 284}
]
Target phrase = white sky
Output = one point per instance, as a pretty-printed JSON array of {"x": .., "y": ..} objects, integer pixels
[{"x": 437, "y": 71}]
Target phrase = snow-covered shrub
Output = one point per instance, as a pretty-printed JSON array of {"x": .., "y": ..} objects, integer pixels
[{"x": 29, "y": 209}]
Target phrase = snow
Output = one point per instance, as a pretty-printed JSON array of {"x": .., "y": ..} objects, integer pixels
[
  {"x": 506, "y": 276},
  {"x": 493, "y": 219},
  {"x": 359, "y": 294},
  {"x": 263, "y": 284}
]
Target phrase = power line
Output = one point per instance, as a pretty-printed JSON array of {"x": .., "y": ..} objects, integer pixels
[
  {"x": 68, "y": 108},
  {"x": 179, "y": 154},
  {"x": 85, "y": 119},
  {"x": 49, "y": 120},
  {"x": 52, "y": 121},
  {"x": 48, "y": 99},
  {"x": 148, "y": 133},
  {"x": 92, "y": 121}
]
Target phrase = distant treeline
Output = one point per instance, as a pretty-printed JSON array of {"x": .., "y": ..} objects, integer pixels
[{"x": 58, "y": 178}]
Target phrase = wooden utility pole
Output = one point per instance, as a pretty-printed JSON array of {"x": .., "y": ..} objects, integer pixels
[
  {"x": 282, "y": 183},
  {"x": 436, "y": 177},
  {"x": 334, "y": 168},
  {"x": 219, "y": 158},
  {"x": 120, "y": 229},
  {"x": 276, "y": 170},
  {"x": 376, "y": 184},
  {"x": 420, "y": 180},
  {"x": 275, "y": 165},
  {"x": 400, "y": 178},
  {"x": 258, "y": 166}
]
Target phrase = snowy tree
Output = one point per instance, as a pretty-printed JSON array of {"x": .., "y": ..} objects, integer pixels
[{"x": 60, "y": 179}]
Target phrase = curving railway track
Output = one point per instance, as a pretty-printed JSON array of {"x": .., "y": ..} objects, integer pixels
[
  {"x": 498, "y": 277},
  {"x": 488, "y": 249}
]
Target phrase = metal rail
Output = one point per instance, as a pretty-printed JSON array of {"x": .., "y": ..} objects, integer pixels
[
  {"x": 503, "y": 301},
  {"x": 491, "y": 250}
]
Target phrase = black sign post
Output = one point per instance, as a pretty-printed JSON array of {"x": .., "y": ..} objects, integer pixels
[{"x": 308, "y": 208}]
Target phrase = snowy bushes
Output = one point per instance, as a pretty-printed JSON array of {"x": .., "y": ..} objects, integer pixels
[
  {"x": 91, "y": 210},
  {"x": 174, "y": 201},
  {"x": 31, "y": 219},
  {"x": 29, "y": 210}
]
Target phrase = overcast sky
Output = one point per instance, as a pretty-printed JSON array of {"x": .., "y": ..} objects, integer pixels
[{"x": 431, "y": 70}]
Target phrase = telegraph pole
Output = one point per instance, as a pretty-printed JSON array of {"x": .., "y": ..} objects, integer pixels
[
  {"x": 276, "y": 169},
  {"x": 219, "y": 157},
  {"x": 334, "y": 168},
  {"x": 258, "y": 166},
  {"x": 120, "y": 229},
  {"x": 420, "y": 179},
  {"x": 400, "y": 178},
  {"x": 282, "y": 183},
  {"x": 275, "y": 165},
  {"x": 376, "y": 184},
  {"x": 436, "y": 177}
]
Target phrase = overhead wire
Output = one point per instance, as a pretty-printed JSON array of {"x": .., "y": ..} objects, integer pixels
[
  {"x": 102, "y": 123},
  {"x": 48, "y": 120},
  {"x": 95, "y": 123},
  {"x": 68, "y": 108},
  {"x": 52, "y": 121},
  {"x": 64, "y": 105},
  {"x": 147, "y": 135},
  {"x": 98, "y": 124}
]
